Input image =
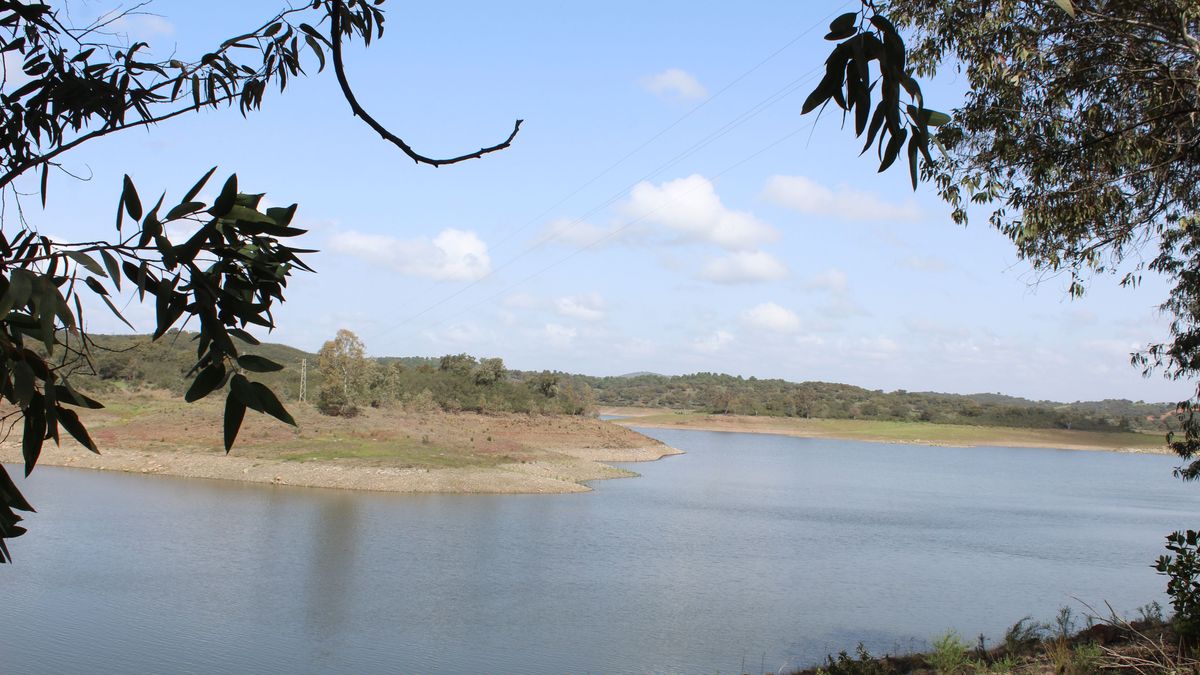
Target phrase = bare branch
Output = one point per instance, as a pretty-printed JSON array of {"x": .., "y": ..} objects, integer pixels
[{"x": 340, "y": 70}]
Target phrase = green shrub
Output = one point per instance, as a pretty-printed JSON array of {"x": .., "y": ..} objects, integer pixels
[
  {"x": 1183, "y": 583},
  {"x": 1022, "y": 636},
  {"x": 949, "y": 654},
  {"x": 865, "y": 664}
]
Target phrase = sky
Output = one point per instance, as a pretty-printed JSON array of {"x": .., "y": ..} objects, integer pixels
[{"x": 664, "y": 208}]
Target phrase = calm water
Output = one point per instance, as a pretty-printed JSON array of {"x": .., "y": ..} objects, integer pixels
[{"x": 749, "y": 551}]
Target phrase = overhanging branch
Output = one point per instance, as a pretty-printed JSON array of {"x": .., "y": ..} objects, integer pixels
[{"x": 340, "y": 70}]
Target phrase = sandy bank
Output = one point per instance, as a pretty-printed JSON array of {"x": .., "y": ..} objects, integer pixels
[
  {"x": 912, "y": 433},
  {"x": 557, "y": 475},
  {"x": 382, "y": 449}
]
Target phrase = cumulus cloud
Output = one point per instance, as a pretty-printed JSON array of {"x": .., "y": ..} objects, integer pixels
[
  {"x": 674, "y": 83},
  {"x": 453, "y": 255},
  {"x": 744, "y": 267},
  {"x": 558, "y": 335},
  {"x": 772, "y": 317},
  {"x": 589, "y": 307},
  {"x": 711, "y": 344},
  {"x": 690, "y": 207},
  {"x": 808, "y": 196}
]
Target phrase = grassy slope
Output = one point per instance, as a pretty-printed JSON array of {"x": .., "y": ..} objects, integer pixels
[{"x": 386, "y": 438}]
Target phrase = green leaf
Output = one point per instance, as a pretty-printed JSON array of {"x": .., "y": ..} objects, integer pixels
[
  {"x": 271, "y": 404},
  {"x": 282, "y": 216},
  {"x": 86, "y": 261},
  {"x": 244, "y": 336},
  {"x": 70, "y": 421},
  {"x": 246, "y": 393},
  {"x": 114, "y": 270},
  {"x": 912, "y": 159},
  {"x": 33, "y": 435},
  {"x": 186, "y": 208},
  {"x": 937, "y": 119},
  {"x": 235, "y": 411},
  {"x": 191, "y": 194},
  {"x": 116, "y": 312},
  {"x": 258, "y": 364},
  {"x": 65, "y": 394},
  {"x": 226, "y": 199},
  {"x": 206, "y": 382},
  {"x": 23, "y": 380},
  {"x": 1066, "y": 6},
  {"x": 20, "y": 286},
  {"x": 129, "y": 196}
]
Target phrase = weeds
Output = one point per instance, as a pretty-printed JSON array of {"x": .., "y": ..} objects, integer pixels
[
  {"x": 949, "y": 654},
  {"x": 1022, "y": 636}
]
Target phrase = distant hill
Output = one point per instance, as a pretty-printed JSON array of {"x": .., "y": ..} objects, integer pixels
[{"x": 133, "y": 361}]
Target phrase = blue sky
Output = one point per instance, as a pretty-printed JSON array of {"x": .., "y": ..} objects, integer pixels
[{"x": 664, "y": 208}]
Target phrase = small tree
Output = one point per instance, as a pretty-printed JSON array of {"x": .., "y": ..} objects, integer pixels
[{"x": 344, "y": 369}]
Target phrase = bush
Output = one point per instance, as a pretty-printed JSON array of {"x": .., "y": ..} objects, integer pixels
[
  {"x": 949, "y": 654},
  {"x": 1183, "y": 583}
]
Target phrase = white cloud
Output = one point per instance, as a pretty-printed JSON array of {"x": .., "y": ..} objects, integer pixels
[
  {"x": 674, "y": 83},
  {"x": 558, "y": 335},
  {"x": 690, "y": 206},
  {"x": 742, "y": 267},
  {"x": 589, "y": 307},
  {"x": 772, "y": 317},
  {"x": 832, "y": 280},
  {"x": 808, "y": 196},
  {"x": 453, "y": 255},
  {"x": 712, "y": 343}
]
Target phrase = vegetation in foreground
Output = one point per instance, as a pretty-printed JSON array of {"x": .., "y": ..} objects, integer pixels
[{"x": 1147, "y": 644}]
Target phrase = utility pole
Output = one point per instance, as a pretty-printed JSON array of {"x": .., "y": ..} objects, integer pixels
[{"x": 303, "y": 379}]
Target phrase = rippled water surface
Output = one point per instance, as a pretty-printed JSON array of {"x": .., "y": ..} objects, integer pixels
[{"x": 750, "y": 551}]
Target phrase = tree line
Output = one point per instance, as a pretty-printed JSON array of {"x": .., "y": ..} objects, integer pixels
[
  {"x": 726, "y": 394},
  {"x": 342, "y": 380}
]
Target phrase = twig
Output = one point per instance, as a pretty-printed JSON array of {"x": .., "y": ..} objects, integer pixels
[{"x": 340, "y": 70}]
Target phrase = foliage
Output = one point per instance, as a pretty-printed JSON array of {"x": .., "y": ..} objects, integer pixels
[
  {"x": 949, "y": 654},
  {"x": 73, "y": 87},
  {"x": 864, "y": 664},
  {"x": 1022, "y": 635},
  {"x": 868, "y": 37},
  {"x": 1182, "y": 568},
  {"x": 1078, "y": 134},
  {"x": 343, "y": 367},
  {"x": 727, "y": 394}
]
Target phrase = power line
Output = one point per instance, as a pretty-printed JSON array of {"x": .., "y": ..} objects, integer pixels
[
  {"x": 720, "y": 132},
  {"x": 616, "y": 231}
]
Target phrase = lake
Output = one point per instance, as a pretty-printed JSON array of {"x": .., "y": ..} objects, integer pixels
[{"x": 750, "y": 552}]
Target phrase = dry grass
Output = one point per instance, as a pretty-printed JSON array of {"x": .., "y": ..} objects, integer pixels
[{"x": 897, "y": 432}]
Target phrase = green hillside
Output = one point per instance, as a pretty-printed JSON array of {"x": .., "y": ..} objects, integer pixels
[{"x": 128, "y": 361}]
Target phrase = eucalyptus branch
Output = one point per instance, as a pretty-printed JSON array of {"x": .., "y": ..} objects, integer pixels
[{"x": 339, "y": 69}]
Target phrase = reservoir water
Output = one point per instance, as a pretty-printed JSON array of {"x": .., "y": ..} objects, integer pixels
[{"x": 750, "y": 552}]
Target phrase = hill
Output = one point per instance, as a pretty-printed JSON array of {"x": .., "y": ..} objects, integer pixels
[{"x": 135, "y": 362}]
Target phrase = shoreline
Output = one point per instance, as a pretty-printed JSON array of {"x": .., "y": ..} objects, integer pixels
[
  {"x": 904, "y": 433},
  {"x": 541, "y": 476}
]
